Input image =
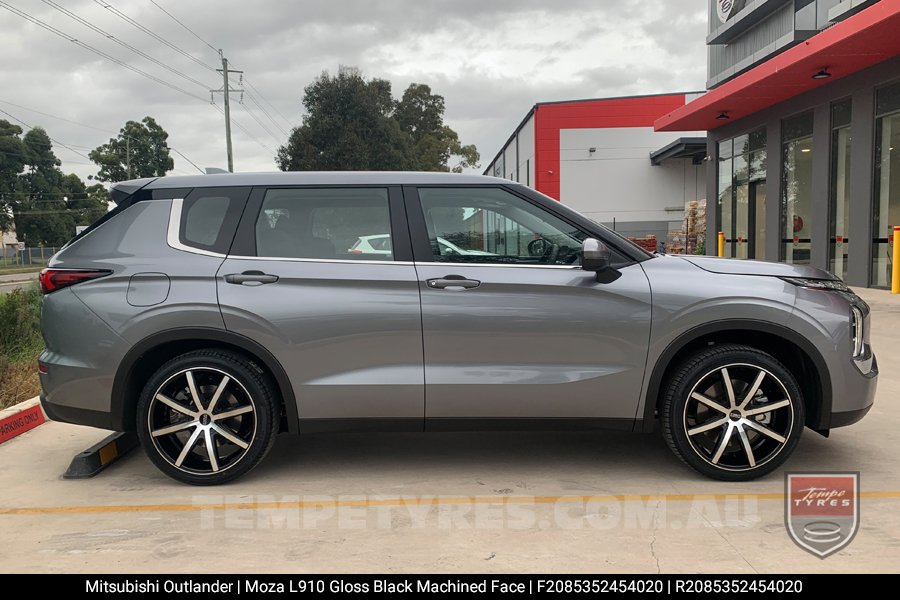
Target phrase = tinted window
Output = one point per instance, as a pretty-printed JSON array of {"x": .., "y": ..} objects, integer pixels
[
  {"x": 346, "y": 224},
  {"x": 490, "y": 225},
  {"x": 209, "y": 218}
]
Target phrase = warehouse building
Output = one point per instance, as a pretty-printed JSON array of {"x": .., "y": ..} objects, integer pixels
[
  {"x": 603, "y": 158},
  {"x": 802, "y": 116}
]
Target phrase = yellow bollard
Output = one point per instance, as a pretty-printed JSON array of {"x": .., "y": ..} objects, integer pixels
[
  {"x": 895, "y": 268},
  {"x": 721, "y": 244}
]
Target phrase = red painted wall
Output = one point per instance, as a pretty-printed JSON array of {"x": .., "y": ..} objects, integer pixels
[{"x": 588, "y": 114}]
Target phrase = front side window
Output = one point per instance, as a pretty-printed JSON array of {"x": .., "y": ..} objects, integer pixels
[
  {"x": 491, "y": 225},
  {"x": 325, "y": 223}
]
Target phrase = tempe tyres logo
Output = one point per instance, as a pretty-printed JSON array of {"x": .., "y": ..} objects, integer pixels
[{"x": 821, "y": 510}]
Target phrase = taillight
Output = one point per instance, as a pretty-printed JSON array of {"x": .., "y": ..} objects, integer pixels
[{"x": 56, "y": 279}]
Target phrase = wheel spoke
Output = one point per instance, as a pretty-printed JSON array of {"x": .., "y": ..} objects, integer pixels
[
  {"x": 709, "y": 402},
  {"x": 767, "y": 408},
  {"x": 726, "y": 437},
  {"x": 729, "y": 388},
  {"x": 175, "y": 406},
  {"x": 189, "y": 375},
  {"x": 747, "y": 449},
  {"x": 707, "y": 426},
  {"x": 229, "y": 436},
  {"x": 211, "y": 450},
  {"x": 232, "y": 413},
  {"x": 765, "y": 431},
  {"x": 753, "y": 388},
  {"x": 173, "y": 428},
  {"x": 218, "y": 393},
  {"x": 188, "y": 447}
]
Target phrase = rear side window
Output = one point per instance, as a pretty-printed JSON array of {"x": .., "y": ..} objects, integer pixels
[
  {"x": 325, "y": 223},
  {"x": 209, "y": 218}
]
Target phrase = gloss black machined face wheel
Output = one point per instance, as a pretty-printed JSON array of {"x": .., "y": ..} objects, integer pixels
[
  {"x": 208, "y": 416},
  {"x": 732, "y": 412},
  {"x": 202, "y": 420},
  {"x": 738, "y": 417}
]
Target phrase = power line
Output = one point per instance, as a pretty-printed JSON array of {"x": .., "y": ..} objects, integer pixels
[
  {"x": 264, "y": 99},
  {"x": 244, "y": 129},
  {"x": 51, "y": 139},
  {"x": 152, "y": 34},
  {"x": 101, "y": 53},
  {"x": 266, "y": 112},
  {"x": 54, "y": 116},
  {"x": 185, "y": 158},
  {"x": 109, "y": 36},
  {"x": 260, "y": 123},
  {"x": 189, "y": 30}
]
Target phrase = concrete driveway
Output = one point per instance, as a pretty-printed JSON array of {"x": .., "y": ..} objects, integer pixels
[{"x": 609, "y": 502}]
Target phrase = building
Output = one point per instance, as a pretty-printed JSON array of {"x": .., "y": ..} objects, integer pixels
[
  {"x": 803, "y": 119},
  {"x": 603, "y": 158}
]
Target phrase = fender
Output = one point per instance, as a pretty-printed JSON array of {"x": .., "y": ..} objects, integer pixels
[
  {"x": 651, "y": 398},
  {"x": 123, "y": 412}
]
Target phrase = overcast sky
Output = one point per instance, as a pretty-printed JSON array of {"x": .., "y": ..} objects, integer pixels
[{"x": 491, "y": 60}]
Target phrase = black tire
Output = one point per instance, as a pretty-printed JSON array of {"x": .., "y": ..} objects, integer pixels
[
  {"x": 244, "y": 413},
  {"x": 729, "y": 441}
]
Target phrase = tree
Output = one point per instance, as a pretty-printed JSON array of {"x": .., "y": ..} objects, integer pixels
[
  {"x": 12, "y": 162},
  {"x": 143, "y": 143},
  {"x": 421, "y": 116},
  {"x": 355, "y": 124},
  {"x": 39, "y": 207},
  {"x": 87, "y": 204}
]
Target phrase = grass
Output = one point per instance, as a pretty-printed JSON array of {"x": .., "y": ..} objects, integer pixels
[{"x": 20, "y": 344}]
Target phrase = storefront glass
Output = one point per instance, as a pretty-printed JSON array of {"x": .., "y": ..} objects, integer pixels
[
  {"x": 886, "y": 211},
  {"x": 742, "y": 191},
  {"x": 796, "y": 188},
  {"x": 840, "y": 188}
]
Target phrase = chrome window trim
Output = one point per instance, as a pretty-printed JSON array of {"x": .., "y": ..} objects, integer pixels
[{"x": 174, "y": 228}]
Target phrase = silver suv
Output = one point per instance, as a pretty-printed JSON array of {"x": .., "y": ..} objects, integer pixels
[{"x": 210, "y": 313}]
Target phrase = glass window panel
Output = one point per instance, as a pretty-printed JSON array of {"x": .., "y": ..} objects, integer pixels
[
  {"x": 796, "y": 189},
  {"x": 725, "y": 203},
  {"x": 887, "y": 195},
  {"x": 887, "y": 99},
  {"x": 839, "y": 211}
]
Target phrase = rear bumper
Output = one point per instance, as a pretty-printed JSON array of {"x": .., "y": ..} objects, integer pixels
[{"x": 77, "y": 416}]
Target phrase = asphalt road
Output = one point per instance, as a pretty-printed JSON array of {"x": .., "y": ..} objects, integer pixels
[
  {"x": 555, "y": 502},
  {"x": 16, "y": 281}
]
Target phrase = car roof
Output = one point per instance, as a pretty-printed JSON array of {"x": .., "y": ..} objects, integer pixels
[{"x": 321, "y": 178}]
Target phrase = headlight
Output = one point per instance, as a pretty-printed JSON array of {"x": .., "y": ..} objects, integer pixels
[
  {"x": 857, "y": 331},
  {"x": 834, "y": 285}
]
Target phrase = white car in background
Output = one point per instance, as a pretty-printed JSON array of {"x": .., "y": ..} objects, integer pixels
[{"x": 381, "y": 244}]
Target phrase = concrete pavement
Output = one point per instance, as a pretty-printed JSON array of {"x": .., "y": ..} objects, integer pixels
[
  {"x": 14, "y": 281},
  {"x": 494, "y": 502}
]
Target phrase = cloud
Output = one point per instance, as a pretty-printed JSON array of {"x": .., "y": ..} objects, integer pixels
[{"x": 491, "y": 60}]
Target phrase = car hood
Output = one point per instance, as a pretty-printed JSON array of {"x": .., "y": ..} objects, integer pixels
[{"x": 729, "y": 266}]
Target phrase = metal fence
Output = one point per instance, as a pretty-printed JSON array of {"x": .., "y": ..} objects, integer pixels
[{"x": 11, "y": 256}]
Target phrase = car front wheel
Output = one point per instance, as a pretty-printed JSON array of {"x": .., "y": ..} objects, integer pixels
[
  {"x": 207, "y": 417},
  {"x": 732, "y": 412}
]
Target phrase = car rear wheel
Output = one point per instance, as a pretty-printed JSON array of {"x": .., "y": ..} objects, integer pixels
[
  {"x": 207, "y": 417},
  {"x": 732, "y": 412}
]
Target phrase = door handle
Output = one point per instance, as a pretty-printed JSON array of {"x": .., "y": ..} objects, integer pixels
[
  {"x": 453, "y": 281},
  {"x": 250, "y": 277}
]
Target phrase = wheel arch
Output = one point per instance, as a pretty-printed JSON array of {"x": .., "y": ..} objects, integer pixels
[
  {"x": 149, "y": 354},
  {"x": 798, "y": 354}
]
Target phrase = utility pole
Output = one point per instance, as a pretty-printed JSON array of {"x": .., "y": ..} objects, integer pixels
[
  {"x": 226, "y": 93},
  {"x": 128, "y": 156}
]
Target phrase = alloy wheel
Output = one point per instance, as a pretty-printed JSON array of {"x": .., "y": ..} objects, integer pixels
[
  {"x": 738, "y": 417},
  {"x": 202, "y": 420}
]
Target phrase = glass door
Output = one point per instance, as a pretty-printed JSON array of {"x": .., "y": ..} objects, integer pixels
[
  {"x": 742, "y": 194},
  {"x": 796, "y": 188},
  {"x": 886, "y": 212},
  {"x": 839, "y": 211}
]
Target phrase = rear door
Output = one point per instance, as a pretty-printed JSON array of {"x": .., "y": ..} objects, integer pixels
[
  {"x": 344, "y": 323},
  {"x": 513, "y": 328}
]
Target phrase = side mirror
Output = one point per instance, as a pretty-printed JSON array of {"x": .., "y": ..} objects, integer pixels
[{"x": 594, "y": 255}]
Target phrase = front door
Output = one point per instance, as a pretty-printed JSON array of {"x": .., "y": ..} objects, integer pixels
[
  {"x": 512, "y": 327},
  {"x": 323, "y": 278}
]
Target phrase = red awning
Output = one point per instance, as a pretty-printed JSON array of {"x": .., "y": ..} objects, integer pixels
[{"x": 860, "y": 41}]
